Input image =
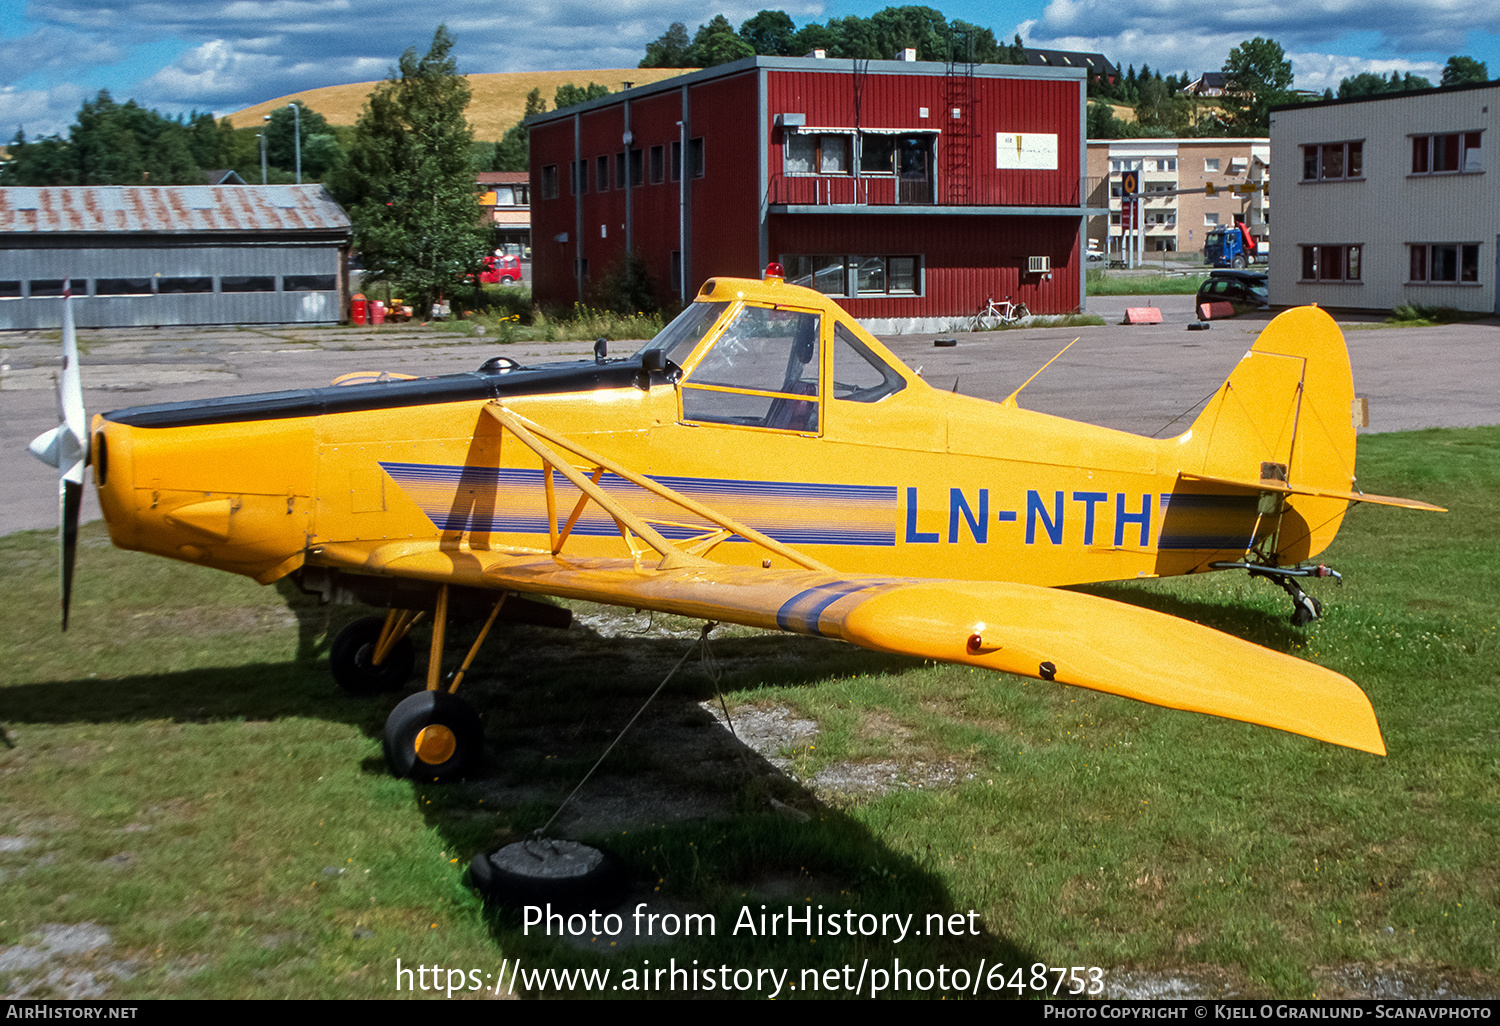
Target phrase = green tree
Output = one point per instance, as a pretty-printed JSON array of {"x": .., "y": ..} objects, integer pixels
[
  {"x": 669, "y": 50},
  {"x": 1257, "y": 76},
  {"x": 717, "y": 43},
  {"x": 513, "y": 151},
  {"x": 569, "y": 95},
  {"x": 281, "y": 137},
  {"x": 1459, "y": 70},
  {"x": 771, "y": 33},
  {"x": 896, "y": 28},
  {"x": 407, "y": 183}
]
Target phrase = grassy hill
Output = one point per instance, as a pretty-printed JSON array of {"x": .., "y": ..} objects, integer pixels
[{"x": 497, "y": 102}]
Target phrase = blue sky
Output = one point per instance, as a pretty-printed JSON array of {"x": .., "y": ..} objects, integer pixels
[{"x": 223, "y": 55}]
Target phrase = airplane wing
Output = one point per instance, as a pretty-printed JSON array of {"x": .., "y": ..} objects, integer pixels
[{"x": 1036, "y": 632}]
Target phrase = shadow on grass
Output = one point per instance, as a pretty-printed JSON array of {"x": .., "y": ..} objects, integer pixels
[{"x": 704, "y": 823}]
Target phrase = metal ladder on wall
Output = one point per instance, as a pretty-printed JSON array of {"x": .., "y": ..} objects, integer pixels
[{"x": 957, "y": 121}]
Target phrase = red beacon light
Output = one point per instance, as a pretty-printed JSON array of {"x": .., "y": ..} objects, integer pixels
[{"x": 774, "y": 271}]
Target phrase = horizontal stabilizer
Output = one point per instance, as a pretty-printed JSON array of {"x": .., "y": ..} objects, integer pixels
[{"x": 1282, "y": 488}]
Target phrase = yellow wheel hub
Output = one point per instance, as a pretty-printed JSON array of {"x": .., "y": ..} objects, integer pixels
[{"x": 436, "y": 744}]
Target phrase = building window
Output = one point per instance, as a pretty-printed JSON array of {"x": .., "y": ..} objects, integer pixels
[
  {"x": 867, "y": 275},
  {"x": 46, "y": 287},
  {"x": 658, "y": 165},
  {"x": 122, "y": 287},
  {"x": 1445, "y": 262},
  {"x": 177, "y": 286},
  {"x": 877, "y": 154},
  {"x": 1330, "y": 263},
  {"x": 249, "y": 283},
  {"x": 601, "y": 174},
  {"x": 816, "y": 154},
  {"x": 1211, "y": 218},
  {"x": 1333, "y": 162},
  {"x": 637, "y": 167},
  {"x": 886, "y": 275},
  {"x": 1453, "y": 153},
  {"x": 10, "y": 289},
  {"x": 823, "y": 273},
  {"x": 696, "y": 158},
  {"x": 677, "y": 160},
  {"x": 1210, "y": 163},
  {"x": 549, "y": 181},
  {"x": 309, "y": 283}
]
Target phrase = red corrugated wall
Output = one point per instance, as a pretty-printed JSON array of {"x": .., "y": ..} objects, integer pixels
[{"x": 966, "y": 259}]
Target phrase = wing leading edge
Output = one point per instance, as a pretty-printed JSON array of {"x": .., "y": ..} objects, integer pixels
[{"x": 1035, "y": 632}]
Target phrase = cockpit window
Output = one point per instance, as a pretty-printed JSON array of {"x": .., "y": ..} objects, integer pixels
[
  {"x": 762, "y": 372},
  {"x": 858, "y": 374},
  {"x": 687, "y": 329}
]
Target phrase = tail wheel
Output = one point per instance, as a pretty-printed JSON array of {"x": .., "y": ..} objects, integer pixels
[
  {"x": 350, "y": 659},
  {"x": 433, "y": 735}
]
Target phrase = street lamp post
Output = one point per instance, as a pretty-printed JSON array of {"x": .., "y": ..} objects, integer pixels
[
  {"x": 297, "y": 137},
  {"x": 262, "y": 138}
]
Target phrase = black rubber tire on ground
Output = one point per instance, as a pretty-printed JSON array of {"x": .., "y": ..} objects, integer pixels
[
  {"x": 567, "y": 875},
  {"x": 1304, "y": 613},
  {"x": 1239, "y": 262},
  {"x": 349, "y": 659},
  {"x": 462, "y": 745}
]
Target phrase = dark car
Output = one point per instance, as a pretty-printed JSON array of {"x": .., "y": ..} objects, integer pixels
[{"x": 1245, "y": 289}]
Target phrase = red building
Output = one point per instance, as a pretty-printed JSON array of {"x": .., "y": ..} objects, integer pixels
[{"x": 913, "y": 190}]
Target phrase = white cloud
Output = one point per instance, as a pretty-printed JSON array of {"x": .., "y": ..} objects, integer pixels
[
  {"x": 38, "y": 111},
  {"x": 1440, "y": 25}
]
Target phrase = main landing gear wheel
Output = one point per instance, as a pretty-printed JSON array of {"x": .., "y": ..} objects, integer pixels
[
  {"x": 350, "y": 659},
  {"x": 433, "y": 735},
  {"x": 565, "y": 874}
]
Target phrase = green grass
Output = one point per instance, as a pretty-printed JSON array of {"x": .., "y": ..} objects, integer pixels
[
  {"x": 1052, "y": 321},
  {"x": 186, "y": 777},
  {"x": 1104, "y": 283},
  {"x": 1409, "y": 316}
]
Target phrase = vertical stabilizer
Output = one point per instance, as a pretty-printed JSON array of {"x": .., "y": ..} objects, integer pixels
[{"x": 1284, "y": 416}]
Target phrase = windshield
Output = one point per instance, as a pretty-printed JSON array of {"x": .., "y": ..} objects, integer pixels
[{"x": 687, "y": 329}]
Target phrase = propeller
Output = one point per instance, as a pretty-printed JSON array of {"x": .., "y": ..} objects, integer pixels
[{"x": 66, "y": 448}]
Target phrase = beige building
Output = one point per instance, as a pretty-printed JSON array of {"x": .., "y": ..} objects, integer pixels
[
  {"x": 1390, "y": 202},
  {"x": 1178, "y": 224}
]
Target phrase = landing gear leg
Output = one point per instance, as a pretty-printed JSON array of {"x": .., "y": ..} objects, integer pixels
[
  {"x": 434, "y": 734},
  {"x": 1305, "y": 608}
]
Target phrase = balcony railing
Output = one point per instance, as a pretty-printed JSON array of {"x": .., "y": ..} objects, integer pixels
[{"x": 1016, "y": 190}]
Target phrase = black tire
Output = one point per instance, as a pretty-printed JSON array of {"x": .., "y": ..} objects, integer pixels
[
  {"x": 507, "y": 280},
  {"x": 567, "y": 875},
  {"x": 1306, "y": 611},
  {"x": 455, "y": 747},
  {"x": 1239, "y": 262},
  {"x": 1021, "y": 312},
  {"x": 349, "y": 659}
]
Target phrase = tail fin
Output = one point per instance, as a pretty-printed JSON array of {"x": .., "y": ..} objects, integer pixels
[{"x": 1284, "y": 418}]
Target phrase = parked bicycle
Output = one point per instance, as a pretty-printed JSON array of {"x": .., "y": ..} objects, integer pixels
[{"x": 994, "y": 314}]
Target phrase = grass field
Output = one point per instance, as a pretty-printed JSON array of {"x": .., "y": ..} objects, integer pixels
[
  {"x": 1103, "y": 283},
  {"x": 191, "y": 809}
]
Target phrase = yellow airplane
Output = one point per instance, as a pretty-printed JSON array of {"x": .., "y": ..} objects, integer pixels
[{"x": 763, "y": 461}]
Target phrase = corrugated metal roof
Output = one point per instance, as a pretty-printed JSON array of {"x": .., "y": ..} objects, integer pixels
[
  {"x": 502, "y": 177},
  {"x": 169, "y": 209}
]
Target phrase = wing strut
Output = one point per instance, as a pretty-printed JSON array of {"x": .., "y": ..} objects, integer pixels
[{"x": 535, "y": 437}]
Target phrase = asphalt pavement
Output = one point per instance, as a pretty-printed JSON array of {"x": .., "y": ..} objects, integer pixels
[{"x": 1146, "y": 379}]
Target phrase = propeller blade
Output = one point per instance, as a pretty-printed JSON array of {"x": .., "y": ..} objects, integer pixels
[
  {"x": 66, "y": 447},
  {"x": 70, "y": 497}
]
